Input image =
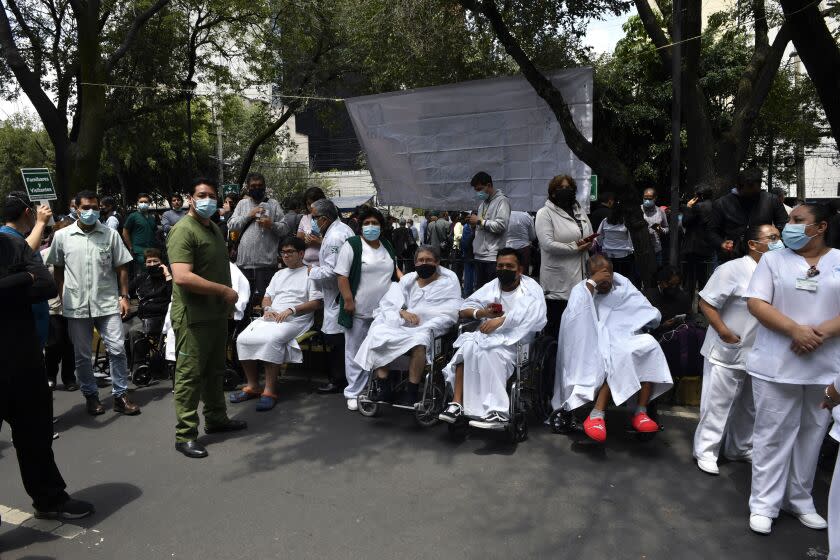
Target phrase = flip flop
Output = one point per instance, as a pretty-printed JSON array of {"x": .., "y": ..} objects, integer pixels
[
  {"x": 245, "y": 394},
  {"x": 267, "y": 402}
]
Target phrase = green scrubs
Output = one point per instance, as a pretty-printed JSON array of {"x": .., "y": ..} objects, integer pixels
[
  {"x": 200, "y": 325},
  {"x": 141, "y": 228}
]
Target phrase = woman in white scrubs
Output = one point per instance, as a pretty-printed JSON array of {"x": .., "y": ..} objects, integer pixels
[
  {"x": 795, "y": 295},
  {"x": 365, "y": 269},
  {"x": 830, "y": 402},
  {"x": 726, "y": 403}
]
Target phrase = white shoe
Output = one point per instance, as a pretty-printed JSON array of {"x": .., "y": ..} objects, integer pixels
[
  {"x": 708, "y": 466},
  {"x": 353, "y": 404},
  {"x": 813, "y": 521},
  {"x": 761, "y": 524}
]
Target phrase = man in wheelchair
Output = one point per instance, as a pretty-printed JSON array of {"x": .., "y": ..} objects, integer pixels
[
  {"x": 603, "y": 352},
  {"x": 153, "y": 289},
  {"x": 511, "y": 309},
  {"x": 423, "y": 305}
]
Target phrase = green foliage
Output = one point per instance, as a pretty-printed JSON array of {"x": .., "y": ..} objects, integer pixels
[{"x": 22, "y": 144}]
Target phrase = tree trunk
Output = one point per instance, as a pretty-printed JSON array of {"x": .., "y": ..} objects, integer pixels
[
  {"x": 819, "y": 53},
  {"x": 260, "y": 139}
]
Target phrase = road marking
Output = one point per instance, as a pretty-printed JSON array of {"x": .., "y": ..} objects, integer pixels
[{"x": 55, "y": 527}]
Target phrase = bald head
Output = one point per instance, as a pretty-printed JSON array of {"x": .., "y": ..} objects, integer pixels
[{"x": 601, "y": 272}]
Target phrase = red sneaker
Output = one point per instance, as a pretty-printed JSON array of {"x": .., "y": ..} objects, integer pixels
[
  {"x": 642, "y": 423},
  {"x": 595, "y": 428}
]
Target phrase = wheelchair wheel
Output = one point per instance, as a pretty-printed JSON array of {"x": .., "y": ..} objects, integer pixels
[
  {"x": 561, "y": 422},
  {"x": 141, "y": 375},
  {"x": 518, "y": 428},
  {"x": 369, "y": 409},
  {"x": 544, "y": 364},
  {"x": 427, "y": 410}
]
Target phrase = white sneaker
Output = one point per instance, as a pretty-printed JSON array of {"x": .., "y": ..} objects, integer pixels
[
  {"x": 708, "y": 466},
  {"x": 761, "y": 524},
  {"x": 813, "y": 521},
  {"x": 353, "y": 404}
]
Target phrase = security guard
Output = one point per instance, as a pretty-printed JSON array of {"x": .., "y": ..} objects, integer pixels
[{"x": 202, "y": 299}]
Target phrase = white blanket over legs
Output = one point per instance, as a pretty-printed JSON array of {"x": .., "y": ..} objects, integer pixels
[
  {"x": 600, "y": 341},
  {"x": 389, "y": 337},
  {"x": 489, "y": 360}
]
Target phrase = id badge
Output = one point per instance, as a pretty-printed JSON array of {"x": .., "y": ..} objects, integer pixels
[{"x": 806, "y": 284}]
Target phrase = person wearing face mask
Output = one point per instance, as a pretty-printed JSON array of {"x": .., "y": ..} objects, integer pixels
[
  {"x": 109, "y": 215},
  {"x": 511, "y": 309},
  {"x": 260, "y": 224},
  {"x": 796, "y": 353},
  {"x": 734, "y": 212},
  {"x": 489, "y": 226},
  {"x": 364, "y": 270},
  {"x": 202, "y": 300},
  {"x": 603, "y": 352},
  {"x": 423, "y": 305},
  {"x": 562, "y": 228},
  {"x": 153, "y": 289},
  {"x": 727, "y": 413},
  {"x": 90, "y": 267},
  {"x": 308, "y": 227},
  {"x": 139, "y": 230},
  {"x": 657, "y": 222}
]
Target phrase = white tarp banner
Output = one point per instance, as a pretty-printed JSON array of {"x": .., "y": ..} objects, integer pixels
[{"x": 423, "y": 146}]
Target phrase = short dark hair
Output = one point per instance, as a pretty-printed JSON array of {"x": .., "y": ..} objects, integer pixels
[
  {"x": 821, "y": 212},
  {"x": 143, "y": 195},
  {"x": 16, "y": 204},
  {"x": 481, "y": 178},
  {"x": 109, "y": 201},
  {"x": 151, "y": 253},
  {"x": 666, "y": 272},
  {"x": 91, "y": 195},
  {"x": 203, "y": 181},
  {"x": 606, "y": 196},
  {"x": 295, "y": 242},
  {"x": 366, "y": 212},
  {"x": 750, "y": 176},
  {"x": 178, "y": 196},
  {"x": 312, "y": 194},
  {"x": 254, "y": 176},
  {"x": 507, "y": 251},
  {"x": 779, "y": 191}
]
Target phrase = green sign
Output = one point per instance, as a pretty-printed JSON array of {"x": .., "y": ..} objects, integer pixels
[
  {"x": 38, "y": 183},
  {"x": 593, "y": 187},
  {"x": 230, "y": 188}
]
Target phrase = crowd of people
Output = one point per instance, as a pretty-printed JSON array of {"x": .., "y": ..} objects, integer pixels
[{"x": 380, "y": 288}]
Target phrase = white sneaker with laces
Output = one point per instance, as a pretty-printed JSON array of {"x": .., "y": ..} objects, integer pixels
[
  {"x": 353, "y": 404},
  {"x": 708, "y": 466},
  {"x": 493, "y": 421},
  {"x": 760, "y": 524},
  {"x": 813, "y": 521}
]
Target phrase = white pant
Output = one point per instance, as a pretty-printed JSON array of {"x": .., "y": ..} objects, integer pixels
[
  {"x": 789, "y": 430},
  {"x": 357, "y": 378},
  {"x": 486, "y": 371},
  {"x": 726, "y": 413},
  {"x": 834, "y": 514}
]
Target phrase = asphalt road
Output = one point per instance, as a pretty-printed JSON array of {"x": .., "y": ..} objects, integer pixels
[{"x": 312, "y": 480}]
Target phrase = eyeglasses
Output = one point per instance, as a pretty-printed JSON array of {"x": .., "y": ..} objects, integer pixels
[
  {"x": 813, "y": 271},
  {"x": 770, "y": 238},
  {"x": 668, "y": 336}
]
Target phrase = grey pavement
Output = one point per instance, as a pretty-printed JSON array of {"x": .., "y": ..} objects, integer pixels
[{"x": 312, "y": 480}]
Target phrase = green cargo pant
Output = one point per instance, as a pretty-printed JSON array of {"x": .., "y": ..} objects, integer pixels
[{"x": 199, "y": 373}]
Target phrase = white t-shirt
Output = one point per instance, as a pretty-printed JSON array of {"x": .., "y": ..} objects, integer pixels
[
  {"x": 291, "y": 287},
  {"x": 509, "y": 299},
  {"x": 311, "y": 256},
  {"x": 377, "y": 269},
  {"x": 726, "y": 291},
  {"x": 775, "y": 281}
]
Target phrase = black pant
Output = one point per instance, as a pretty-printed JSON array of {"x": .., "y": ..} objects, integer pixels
[
  {"x": 696, "y": 270},
  {"x": 26, "y": 405},
  {"x": 59, "y": 349},
  {"x": 336, "y": 373},
  {"x": 259, "y": 279},
  {"x": 484, "y": 272},
  {"x": 554, "y": 309}
]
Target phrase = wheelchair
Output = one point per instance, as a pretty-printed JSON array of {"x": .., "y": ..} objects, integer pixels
[
  {"x": 433, "y": 392},
  {"x": 530, "y": 388},
  {"x": 148, "y": 353}
]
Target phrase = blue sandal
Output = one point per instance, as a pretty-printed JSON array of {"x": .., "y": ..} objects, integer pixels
[
  {"x": 267, "y": 402},
  {"x": 245, "y": 394}
]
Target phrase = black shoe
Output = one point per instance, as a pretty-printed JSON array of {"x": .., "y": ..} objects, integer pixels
[
  {"x": 452, "y": 414},
  {"x": 191, "y": 449},
  {"x": 94, "y": 407},
  {"x": 229, "y": 426},
  {"x": 410, "y": 396},
  {"x": 71, "y": 387},
  {"x": 329, "y": 388},
  {"x": 71, "y": 509},
  {"x": 381, "y": 391},
  {"x": 51, "y": 384}
]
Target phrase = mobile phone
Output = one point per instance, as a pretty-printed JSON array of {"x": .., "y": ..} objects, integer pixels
[{"x": 590, "y": 238}]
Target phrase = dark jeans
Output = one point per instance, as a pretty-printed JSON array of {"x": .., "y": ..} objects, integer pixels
[
  {"x": 335, "y": 373},
  {"x": 259, "y": 279},
  {"x": 26, "y": 405},
  {"x": 626, "y": 266},
  {"x": 696, "y": 271},
  {"x": 469, "y": 277},
  {"x": 484, "y": 272},
  {"x": 59, "y": 350},
  {"x": 554, "y": 309}
]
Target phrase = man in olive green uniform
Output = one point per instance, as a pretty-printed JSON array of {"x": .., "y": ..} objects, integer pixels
[{"x": 202, "y": 299}]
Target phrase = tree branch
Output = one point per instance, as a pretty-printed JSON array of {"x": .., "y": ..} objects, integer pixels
[
  {"x": 760, "y": 21},
  {"x": 136, "y": 25},
  {"x": 655, "y": 32}
]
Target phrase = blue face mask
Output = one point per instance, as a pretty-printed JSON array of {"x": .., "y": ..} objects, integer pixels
[
  {"x": 776, "y": 245},
  {"x": 481, "y": 196},
  {"x": 648, "y": 203},
  {"x": 142, "y": 206},
  {"x": 315, "y": 229},
  {"x": 89, "y": 217},
  {"x": 794, "y": 236},
  {"x": 205, "y": 207},
  {"x": 371, "y": 233}
]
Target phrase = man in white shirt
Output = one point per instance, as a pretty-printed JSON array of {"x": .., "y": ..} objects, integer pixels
[
  {"x": 520, "y": 235},
  {"x": 602, "y": 352},
  {"x": 334, "y": 233}
]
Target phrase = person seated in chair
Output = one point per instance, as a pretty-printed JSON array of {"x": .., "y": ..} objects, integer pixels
[
  {"x": 422, "y": 305},
  {"x": 606, "y": 313},
  {"x": 288, "y": 306},
  {"x": 511, "y": 309},
  {"x": 153, "y": 288}
]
